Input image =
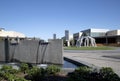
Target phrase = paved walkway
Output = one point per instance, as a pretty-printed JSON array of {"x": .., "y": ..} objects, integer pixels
[{"x": 99, "y": 58}]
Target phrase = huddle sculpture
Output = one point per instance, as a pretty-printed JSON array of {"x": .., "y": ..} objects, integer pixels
[{"x": 86, "y": 41}]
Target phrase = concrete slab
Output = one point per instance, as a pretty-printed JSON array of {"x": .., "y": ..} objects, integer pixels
[{"x": 96, "y": 57}]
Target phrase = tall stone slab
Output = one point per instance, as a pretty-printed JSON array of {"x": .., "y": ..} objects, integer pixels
[
  {"x": 2, "y": 51},
  {"x": 55, "y": 51}
]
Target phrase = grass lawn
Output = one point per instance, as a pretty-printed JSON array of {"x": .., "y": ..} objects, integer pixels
[{"x": 89, "y": 48}]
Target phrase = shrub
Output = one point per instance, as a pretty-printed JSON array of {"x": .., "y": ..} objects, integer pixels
[
  {"x": 9, "y": 77},
  {"x": 24, "y": 67},
  {"x": 8, "y": 73},
  {"x": 12, "y": 77},
  {"x": 1, "y": 78},
  {"x": 106, "y": 71},
  {"x": 80, "y": 74},
  {"x": 83, "y": 70},
  {"x": 1, "y": 75},
  {"x": 52, "y": 69},
  {"x": 107, "y": 74},
  {"x": 8, "y": 69},
  {"x": 36, "y": 74},
  {"x": 86, "y": 74}
]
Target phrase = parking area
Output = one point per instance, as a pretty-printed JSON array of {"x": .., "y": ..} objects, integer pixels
[{"x": 99, "y": 58}]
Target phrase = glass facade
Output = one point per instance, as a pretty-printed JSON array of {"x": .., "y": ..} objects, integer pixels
[
  {"x": 86, "y": 32},
  {"x": 97, "y": 34},
  {"x": 93, "y": 32}
]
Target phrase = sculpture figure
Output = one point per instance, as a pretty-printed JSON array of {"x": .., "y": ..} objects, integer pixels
[{"x": 86, "y": 41}]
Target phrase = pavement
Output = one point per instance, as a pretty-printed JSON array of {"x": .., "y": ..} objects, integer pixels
[{"x": 98, "y": 58}]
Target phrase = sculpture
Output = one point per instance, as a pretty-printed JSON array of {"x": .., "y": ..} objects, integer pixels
[{"x": 86, "y": 41}]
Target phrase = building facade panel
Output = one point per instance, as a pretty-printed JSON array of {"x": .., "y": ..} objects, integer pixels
[
  {"x": 113, "y": 33},
  {"x": 94, "y": 32}
]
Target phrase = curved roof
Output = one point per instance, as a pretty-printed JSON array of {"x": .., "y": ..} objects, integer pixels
[{"x": 11, "y": 34}]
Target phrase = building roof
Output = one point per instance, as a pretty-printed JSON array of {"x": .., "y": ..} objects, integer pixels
[
  {"x": 13, "y": 34},
  {"x": 96, "y": 30}
]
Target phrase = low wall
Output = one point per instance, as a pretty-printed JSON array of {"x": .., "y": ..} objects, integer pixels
[{"x": 32, "y": 51}]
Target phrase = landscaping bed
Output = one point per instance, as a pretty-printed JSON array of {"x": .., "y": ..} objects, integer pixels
[{"x": 54, "y": 73}]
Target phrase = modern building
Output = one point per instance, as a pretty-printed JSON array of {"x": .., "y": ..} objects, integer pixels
[
  {"x": 89, "y": 32},
  {"x": 95, "y": 32},
  {"x": 54, "y": 36},
  {"x": 102, "y": 36},
  {"x": 113, "y": 33},
  {"x": 68, "y": 38},
  {"x": 111, "y": 37}
]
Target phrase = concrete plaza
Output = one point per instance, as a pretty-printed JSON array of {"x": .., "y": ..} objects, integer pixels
[{"x": 99, "y": 58}]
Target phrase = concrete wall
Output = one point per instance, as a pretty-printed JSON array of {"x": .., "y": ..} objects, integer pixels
[
  {"x": 55, "y": 51},
  {"x": 2, "y": 51},
  {"x": 24, "y": 51},
  {"x": 32, "y": 51}
]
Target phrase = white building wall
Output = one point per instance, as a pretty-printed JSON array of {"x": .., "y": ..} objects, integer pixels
[
  {"x": 99, "y": 30},
  {"x": 118, "y": 32},
  {"x": 113, "y": 33}
]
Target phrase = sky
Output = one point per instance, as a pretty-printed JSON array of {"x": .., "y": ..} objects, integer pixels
[{"x": 43, "y": 18}]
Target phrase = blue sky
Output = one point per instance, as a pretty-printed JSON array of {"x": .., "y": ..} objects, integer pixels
[{"x": 43, "y": 18}]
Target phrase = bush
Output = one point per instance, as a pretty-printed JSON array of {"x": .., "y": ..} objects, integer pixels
[
  {"x": 80, "y": 74},
  {"x": 86, "y": 74},
  {"x": 8, "y": 73},
  {"x": 6, "y": 68},
  {"x": 24, "y": 67},
  {"x": 106, "y": 71},
  {"x": 83, "y": 70},
  {"x": 1, "y": 75},
  {"x": 52, "y": 70},
  {"x": 107, "y": 74},
  {"x": 12, "y": 77},
  {"x": 9, "y": 69},
  {"x": 36, "y": 74}
]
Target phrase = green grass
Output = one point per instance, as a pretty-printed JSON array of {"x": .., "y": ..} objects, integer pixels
[{"x": 89, "y": 48}]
